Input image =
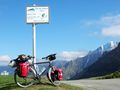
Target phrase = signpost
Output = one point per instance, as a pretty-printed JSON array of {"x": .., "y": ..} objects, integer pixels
[{"x": 37, "y": 15}]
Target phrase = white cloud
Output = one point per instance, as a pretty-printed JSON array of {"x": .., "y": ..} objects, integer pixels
[
  {"x": 4, "y": 59},
  {"x": 103, "y": 21},
  {"x": 110, "y": 20},
  {"x": 110, "y": 25},
  {"x": 113, "y": 31},
  {"x": 70, "y": 55}
]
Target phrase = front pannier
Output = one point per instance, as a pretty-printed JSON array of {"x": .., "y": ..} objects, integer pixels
[{"x": 58, "y": 74}]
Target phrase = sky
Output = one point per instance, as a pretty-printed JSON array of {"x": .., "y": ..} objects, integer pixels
[{"x": 75, "y": 27}]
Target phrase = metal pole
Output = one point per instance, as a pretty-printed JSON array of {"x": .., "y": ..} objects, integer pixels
[{"x": 34, "y": 43}]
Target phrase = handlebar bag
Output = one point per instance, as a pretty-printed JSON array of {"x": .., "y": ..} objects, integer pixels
[
  {"x": 51, "y": 57},
  {"x": 23, "y": 69}
]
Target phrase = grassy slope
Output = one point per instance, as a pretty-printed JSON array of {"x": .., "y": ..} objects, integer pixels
[
  {"x": 7, "y": 83},
  {"x": 110, "y": 76}
]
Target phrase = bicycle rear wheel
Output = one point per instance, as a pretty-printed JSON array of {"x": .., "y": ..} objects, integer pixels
[
  {"x": 25, "y": 81},
  {"x": 52, "y": 78}
]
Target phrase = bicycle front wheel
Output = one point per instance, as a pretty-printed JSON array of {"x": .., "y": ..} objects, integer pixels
[{"x": 25, "y": 81}]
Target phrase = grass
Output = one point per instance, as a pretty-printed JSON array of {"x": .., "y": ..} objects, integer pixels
[
  {"x": 7, "y": 83},
  {"x": 110, "y": 76}
]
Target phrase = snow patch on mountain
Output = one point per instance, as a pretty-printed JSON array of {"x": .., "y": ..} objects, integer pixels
[
  {"x": 94, "y": 55},
  {"x": 109, "y": 46}
]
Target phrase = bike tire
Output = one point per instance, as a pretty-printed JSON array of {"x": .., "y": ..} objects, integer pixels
[
  {"x": 52, "y": 79},
  {"x": 25, "y": 81}
]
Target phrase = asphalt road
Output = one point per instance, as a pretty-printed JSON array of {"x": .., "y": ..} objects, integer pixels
[{"x": 107, "y": 84}]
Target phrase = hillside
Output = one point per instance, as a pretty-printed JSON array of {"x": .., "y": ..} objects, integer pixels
[
  {"x": 110, "y": 76},
  {"x": 76, "y": 67},
  {"x": 108, "y": 63}
]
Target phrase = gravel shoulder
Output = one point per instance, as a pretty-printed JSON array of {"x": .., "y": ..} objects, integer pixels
[{"x": 86, "y": 84}]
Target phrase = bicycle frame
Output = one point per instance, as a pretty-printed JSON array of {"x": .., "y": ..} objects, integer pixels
[{"x": 46, "y": 69}]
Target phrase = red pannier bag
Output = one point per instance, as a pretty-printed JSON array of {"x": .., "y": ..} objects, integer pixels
[
  {"x": 59, "y": 73},
  {"x": 23, "y": 69}
]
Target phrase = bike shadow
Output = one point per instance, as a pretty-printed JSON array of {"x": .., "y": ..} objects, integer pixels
[
  {"x": 44, "y": 84},
  {"x": 13, "y": 86}
]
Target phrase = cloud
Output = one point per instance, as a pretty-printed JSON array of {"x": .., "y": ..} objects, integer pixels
[
  {"x": 70, "y": 55},
  {"x": 113, "y": 31},
  {"x": 103, "y": 21},
  {"x": 110, "y": 20},
  {"x": 112, "y": 26},
  {"x": 109, "y": 25},
  {"x": 4, "y": 59}
]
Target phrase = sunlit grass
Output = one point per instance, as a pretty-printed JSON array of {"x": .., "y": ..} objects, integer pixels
[{"x": 7, "y": 83}]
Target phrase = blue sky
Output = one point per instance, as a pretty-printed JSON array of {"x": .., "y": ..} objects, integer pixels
[{"x": 75, "y": 25}]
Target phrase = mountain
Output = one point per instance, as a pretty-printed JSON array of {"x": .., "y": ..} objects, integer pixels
[
  {"x": 94, "y": 55},
  {"x": 59, "y": 63},
  {"x": 108, "y": 63},
  {"x": 7, "y": 68},
  {"x": 75, "y": 67}
]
